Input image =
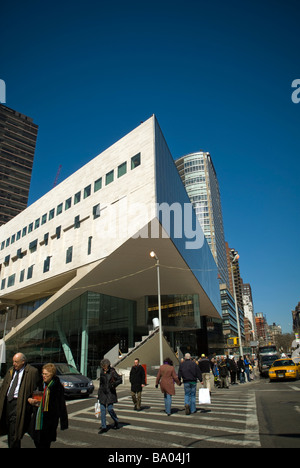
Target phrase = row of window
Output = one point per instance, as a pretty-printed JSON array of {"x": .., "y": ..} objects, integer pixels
[
  {"x": 33, "y": 244},
  {"x": 109, "y": 178},
  {"x": 46, "y": 267}
]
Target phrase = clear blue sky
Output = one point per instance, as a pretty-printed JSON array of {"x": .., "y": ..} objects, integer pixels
[{"x": 218, "y": 76}]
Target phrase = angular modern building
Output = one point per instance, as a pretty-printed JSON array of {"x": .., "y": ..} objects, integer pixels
[
  {"x": 76, "y": 275},
  {"x": 18, "y": 136}
]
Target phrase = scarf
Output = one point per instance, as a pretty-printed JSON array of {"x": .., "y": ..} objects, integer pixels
[{"x": 44, "y": 406}]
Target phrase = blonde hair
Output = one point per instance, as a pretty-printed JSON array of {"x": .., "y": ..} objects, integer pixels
[{"x": 50, "y": 368}]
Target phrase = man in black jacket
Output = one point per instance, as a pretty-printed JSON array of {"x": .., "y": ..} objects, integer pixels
[
  {"x": 137, "y": 380},
  {"x": 189, "y": 372}
]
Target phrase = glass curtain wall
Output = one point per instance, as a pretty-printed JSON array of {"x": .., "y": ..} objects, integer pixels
[{"x": 79, "y": 333}]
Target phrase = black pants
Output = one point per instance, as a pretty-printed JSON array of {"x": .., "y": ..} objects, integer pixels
[{"x": 11, "y": 419}]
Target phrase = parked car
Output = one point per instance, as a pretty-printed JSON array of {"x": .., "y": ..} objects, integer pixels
[
  {"x": 74, "y": 383},
  {"x": 284, "y": 369}
]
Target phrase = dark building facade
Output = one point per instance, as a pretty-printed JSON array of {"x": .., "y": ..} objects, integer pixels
[{"x": 18, "y": 136}]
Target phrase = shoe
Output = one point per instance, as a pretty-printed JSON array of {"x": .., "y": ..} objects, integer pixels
[
  {"x": 103, "y": 430},
  {"x": 187, "y": 409},
  {"x": 116, "y": 426}
]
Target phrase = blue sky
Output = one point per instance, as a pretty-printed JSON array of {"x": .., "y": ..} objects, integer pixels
[{"x": 218, "y": 77}]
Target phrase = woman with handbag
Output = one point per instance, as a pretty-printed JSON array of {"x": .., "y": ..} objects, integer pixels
[{"x": 107, "y": 395}]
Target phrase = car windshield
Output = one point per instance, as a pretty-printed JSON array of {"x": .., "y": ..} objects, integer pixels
[
  {"x": 66, "y": 369},
  {"x": 283, "y": 362},
  {"x": 268, "y": 359}
]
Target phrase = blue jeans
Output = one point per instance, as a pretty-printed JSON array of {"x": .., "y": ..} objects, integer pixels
[
  {"x": 168, "y": 403},
  {"x": 110, "y": 409},
  {"x": 190, "y": 395}
]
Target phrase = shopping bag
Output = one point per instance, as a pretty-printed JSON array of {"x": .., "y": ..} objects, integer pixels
[
  {"x": 97, "y": 409},
  {"x": 204, "y": 396}
]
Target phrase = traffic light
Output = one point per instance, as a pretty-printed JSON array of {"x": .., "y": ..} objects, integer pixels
[{"x": 233, "y": 342}]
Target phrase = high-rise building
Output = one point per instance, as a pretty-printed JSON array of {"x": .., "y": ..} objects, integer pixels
[
  {"x": 18, "y": 136},
  {"x": 249, "y": 308},
  {"x": 296, "y": 317},
  {"x": 199, "y": 176}
]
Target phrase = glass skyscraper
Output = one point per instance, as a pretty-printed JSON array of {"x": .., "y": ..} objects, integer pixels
[{"x": 198, "y": 174}]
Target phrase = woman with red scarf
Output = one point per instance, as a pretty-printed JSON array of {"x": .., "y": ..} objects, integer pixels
[{"x": 50, "y": 409}]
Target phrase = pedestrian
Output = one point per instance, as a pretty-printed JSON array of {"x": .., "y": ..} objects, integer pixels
[
  {"x": 205, "y": 367},
  {"x": 247, "y": 368},
  {"x": 233, "y": 371},
  {"x": 49, "y": 410},
  {"x": 224, "y": 373},
  {"x": 107, "y": 395},
  {"x": 137, "y": 380},
  {"x": 189, "y": 372},
  {"x": 15, "y": 411},
  {"x": 166, "y": 377},
  {"x": 241, "y": 369}
]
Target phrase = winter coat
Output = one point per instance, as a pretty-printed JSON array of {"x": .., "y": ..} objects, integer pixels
[
  {"x": 57, "y": 411},
  {"x": 30, "y": 381},
  {"x": 189, "y": 371},
  {"x": 223, "y": 369},
  {"x": 107, "y": 394},
  {"x": 166, "y": 377},
  {"x": 137, "y": 378}
]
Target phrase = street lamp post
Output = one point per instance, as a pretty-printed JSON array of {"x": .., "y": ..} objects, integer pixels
[
  {"x": 234, "y": 257},
  {"x": 153, "y": 255}
]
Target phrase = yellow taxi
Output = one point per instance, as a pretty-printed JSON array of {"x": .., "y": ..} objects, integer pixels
[{"x": 284, "y": 369}]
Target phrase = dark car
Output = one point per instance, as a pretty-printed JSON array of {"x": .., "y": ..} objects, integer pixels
[{"x": 74, "y": 383}]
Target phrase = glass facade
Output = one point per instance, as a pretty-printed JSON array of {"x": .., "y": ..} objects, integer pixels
[{"x": 80, "y": 333}]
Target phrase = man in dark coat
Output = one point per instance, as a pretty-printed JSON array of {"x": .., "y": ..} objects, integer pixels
[
  {"x": 137, "y": 380},
  {"x": 189, "y": 372},
  {"x": 107, "y": 395},
  {"x": 15, "y": 411}
]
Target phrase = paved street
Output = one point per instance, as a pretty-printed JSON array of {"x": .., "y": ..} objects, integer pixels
[{"x": 253, "y": 415}]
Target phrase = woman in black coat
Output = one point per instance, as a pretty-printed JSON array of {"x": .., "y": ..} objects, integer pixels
[
  {"x": 107, "y": 395},
  {"x": 49, "y": 410}
]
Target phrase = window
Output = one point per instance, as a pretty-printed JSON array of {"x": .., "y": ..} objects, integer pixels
[
  {"x": 46, "y": 238},
  {"x": 13, "y": 238},
  {"x": 109, "y": 178},
  {"x": 24, "y": 231},
  {"x": 59, "y": 209},
  {"x": 96, "y": 211},
  {"x": 33, "y": 246},
  {"x": 11, "y": 280},
  {"x": 98, "y": 184},
  {"x": 30, "y": 228},
  {"x": 30, "y": 272},
  {"x": 6, "y": 260},
  {"x": 37, "y": 223},
  {"x": 44, "y": 218},
  {"x": 69, "y": 255},
  {"x": 135, "y": 161},
  {"x": 58, "y": 232},
  {"x": 19, "y": 253},
  {"x": 46, "y": 265},
  {"x": 22, "y": 274},
  {"x": 90, "y": 245},
  {"x": 51, "y": 214},
  {"x": 3, "y": 283},
  {"x": 77, "y": 197},
  {"x": 18, "y": 235},
  {"x": 87, "y": 191},
  {"x": 122, "y": 169},
  {"x": 68, "y": 203},
  {"x": 77, "y": 222}
]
